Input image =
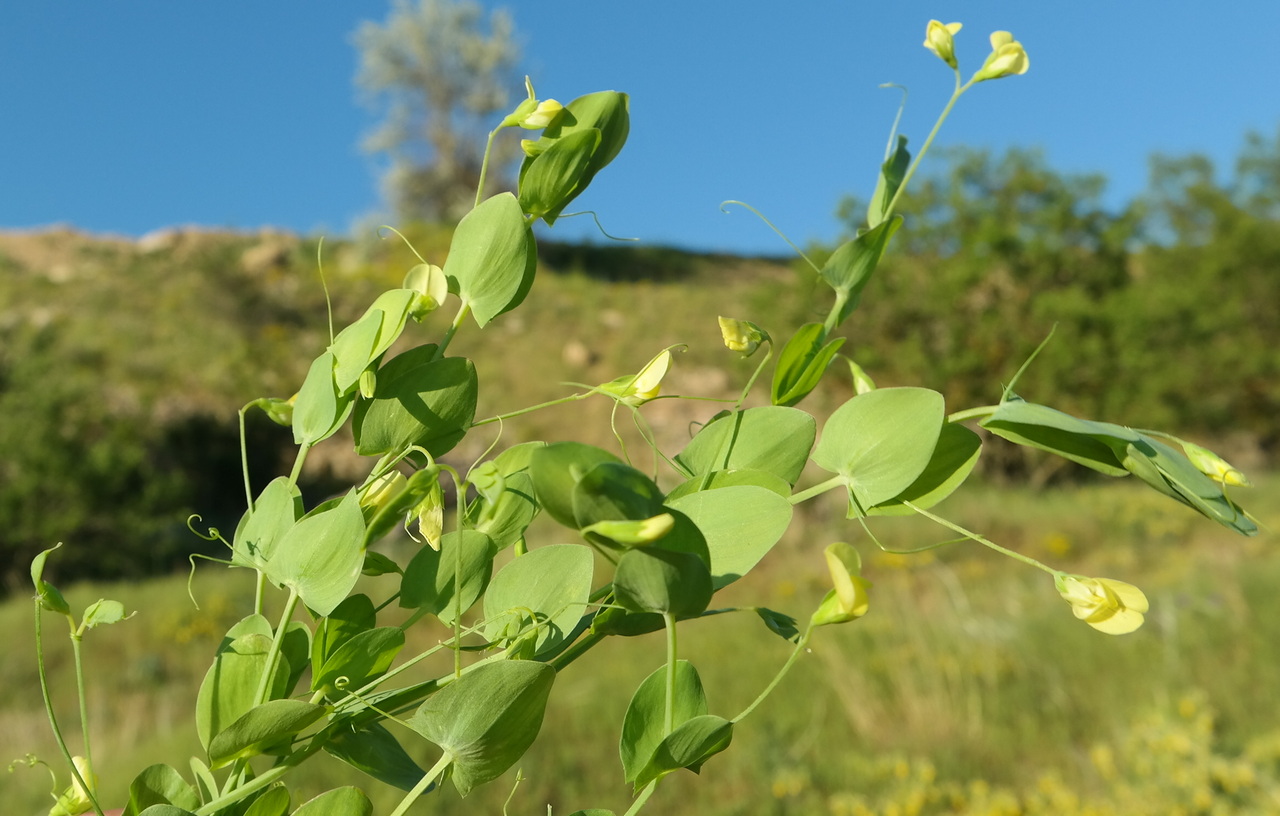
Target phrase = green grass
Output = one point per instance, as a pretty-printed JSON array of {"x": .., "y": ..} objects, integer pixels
[{"x": 968, "y": 688}]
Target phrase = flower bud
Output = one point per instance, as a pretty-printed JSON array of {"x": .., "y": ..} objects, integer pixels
[
  {"x": 639, "y": 389},
  {"x": 1007, "y": 58},
  {"x": 848, "y": 599},
  {"x": 382, "y": 490},
  {"x": 1107, "y": 605},
  {"x": 940, "y": 39},
  {"x": 742, "y": 336},
  {"x": 541, "y": 116},
  {"x": 1214, "y": 466}
]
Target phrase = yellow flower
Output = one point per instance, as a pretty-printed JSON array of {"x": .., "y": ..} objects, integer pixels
[
  {"x": 741, "y": 335},
  {"x": 382, "y": 490},
  {"x": 1007, "y": 58},
  {"x": 640, "y": 388},
  {"x": 848, "y": 599},
  {"x": 940, "y": 39},
  {"x": 1214, "y": 466},
  {"x": 1109, "y": 606},
  {"x": 541, "y": 116},
  {"x": 75, "y": 800}
]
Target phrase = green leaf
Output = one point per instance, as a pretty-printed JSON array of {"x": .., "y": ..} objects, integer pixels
[
  {"x": 229, "y": 687},
  {"x": 953, "y": 460},
  {"x": 348, "y": 619},
  {"x": 1092, "y": 444},
  {"x": 553, "y": 176},
  {"x": 613, "y": 491},
  {"x": 690, "y": 745},
  {"x": 784, "y": 626},
  {"x": 361, "y": 659},
  {"x": 506, "y": 518},
  {"x": 717, "y": 479},
  {"x": 320, "y": 557},
  {"x": 160, "y": 785},
  {"x": 346, "y": 801},
  {"x": 417, "y": 401},
  {"x": 360, "y": 344},
  {"x": 375, "y": 564},
  {"x": 490, "y": 257},
  {"x": 771, "y": 438},
  {"x": 556, "y": 470},
  {"x": 605, "y": 111},
  {"x": 295, "y": 648},
  {"x": 103, "y": 612},
  {"x": 890, "y": 179},
  {"x": 273, "y": 802},
  {"x": 276, "y": 509},
  {"x": 741, "y": 524},
  {"x": 552, "y": 584},
  {"x": 320, "y": 409},
  {"x": 642, "y": 726},
  {"x": 260, "y": 728},
  {"x": 485, "y": 720},
  {"x": 803, "y": 361},
  {"x": 850, "y": 267},
  {"x": 650, "y": 579},
  {"x": 880, "y": 442},
  {"x": 1171, "y": 473},
  {"x": 428, "y": 581},
  {"x": 165, "y": 810},
  {"x": 374, "y": 751}
]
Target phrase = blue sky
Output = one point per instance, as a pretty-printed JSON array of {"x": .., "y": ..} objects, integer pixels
[{"x": 132, "y": 116}]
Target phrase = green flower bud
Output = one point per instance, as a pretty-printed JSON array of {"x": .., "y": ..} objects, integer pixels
[{"x": 1214, "y": 466}]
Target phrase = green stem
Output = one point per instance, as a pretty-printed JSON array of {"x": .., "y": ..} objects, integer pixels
[
  {"x": 262, "y": 780},
  {"x": 463, "y": 311},
  {"x": 422, "y": 786},
  {"x": 273, "y": 656},
  {"x": 642, "y": 798},
  {"x": 244, "y": 463},
  {"x": 530, "y": 409},
  {"x": 53, "y": 720},
  {"x": 669, "y": 713},
  {"x": 80, "y": 693},
  {"x": 484, "y": 165},
  {"x": 911, "y": 171},
  {"x": 777, "y": 678},
  {"x": 298, "y": 462},
  {"x": 818, "y": 489},
  {"x": 755, "y": 376},
  {"x": 981, "y": 539},
  {"x": 981, "y": 412}
]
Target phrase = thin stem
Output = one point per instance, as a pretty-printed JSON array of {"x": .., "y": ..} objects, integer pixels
[
  {"x": 423, "y": 785},
  {"x": 981, "y": 539},
  {"x": 262, "y": 780},
  {"x": 755, "y": 376},
  {"x": 76, "y": 641},
  {"x": 530, "y": 409},
  {"x": 273, "y": 656},
  {"x": 463, "y": 311},
  {"x": 53, "y": 720},
  {"x": 816, "y": 490},
  {"x": 642, "y": 798},
  {"x": 980, "y": 412},
  {"x": 298, "y": 462},
  {"x": 484, "y": 165},
  {"x": 777, "y": 678},
  {"x": 911, "y": 171},
  {"x": 244, "y": 463},
  {"x": 669, "y": 713}
]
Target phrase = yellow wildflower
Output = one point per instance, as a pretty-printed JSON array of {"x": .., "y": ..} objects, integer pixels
[
  {"x": 940, "y": 39},
  {"x": 1107, "y": 605}
]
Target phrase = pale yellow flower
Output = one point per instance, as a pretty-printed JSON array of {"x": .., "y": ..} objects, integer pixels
[
  {"x": 541, "y": 116},
  {"x": 848, "y": 599},
  {"x": 642, "y": 387},
  {"x": 1007, "y": 58},
  {"x": 382, "y": 490},
  {"x": 741, "y": 336},
  {"x": 940, "y": 39},
  {"x": 75, "y": 800},
  {"x": 1214, "y": 466},
  {"x": 1107, "y": 605}
]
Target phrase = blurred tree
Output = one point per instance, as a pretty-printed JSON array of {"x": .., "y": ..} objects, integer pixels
[{"x": 441, "y": 71}]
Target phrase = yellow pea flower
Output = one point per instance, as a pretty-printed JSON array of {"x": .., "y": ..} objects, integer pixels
[
  {"x": 639, "y": 389},
  {"x": 940, "y": 39},
  {"x": 741, "y": 336},
  {"x": 848, "y": 599},
  {"x": 382, "y": 490},
  {"x": 1007, "y": 58},
  {"x": 1107, "y": 605},
  {"x": 541, "y": 116},
  {"x": 75, "y": 799},
  {"x": 1214, "y": 466}
]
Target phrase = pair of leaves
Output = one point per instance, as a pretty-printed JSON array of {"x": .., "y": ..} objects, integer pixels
[
  {"x": 418, "y": 400},
  {"x": 647, "y": 751},
  {"x": 320, "y": 557},
  {"x": 770, "y": 438},
  {"x": 587, "y": 135},
  {"x": 803, "y": 361},
  {"x": 432, "y": 583}
]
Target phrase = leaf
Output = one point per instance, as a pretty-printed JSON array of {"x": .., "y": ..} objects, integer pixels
[
  {"x": 348, "y": 619},
  {"x": 260, "y": 728},
  {"x": 642, "y": 726},
  {"x": 613, "y": 491},
  {"x": 556, "y": 470},
  {"x": 740, "y": 523},
  {"x": 1171, "y": 473},
  {"x": 361, "y": 659},
  {"x": 417, "y": 401},
  {"x": 490, "y": 257},
  {"x": 319, "y": 409},
  {"x": 953, "y": 460},
  {"x": 849, "y": 269},
  {"x": 881, "y": 441},
  {"x": 890, "y": 179},
  {"x": 1089, "y": 443},
  {"x": 277, "y": 508},
  {"x": 374, "y": 751},
  {"x": 346, "y": 801},
  {"x": 784, "y": 626},
  {"x": 690, "y": 745},
  {"x": 803, "y": 361},
  {"x": 717, "y": 479},
  {"x": 295, "y": 648},
  {"x": 165, "y": 810},
  {"x": 485, "y": 720},
  {"x": 273, "y": 802},
  {"x": 605, "y": 111},
  {"x": 320, "y": 557},
  {"x": 553, "y": 584},
  {"x": 160, "y": 785},
  {"x": 102, "y": 613},
  {"x": 428, "y": 581},
  {"x": 650, "y": 579},
  {"x": 553, "y": 176},
  {"x": 229, "y": 687},
  {"x": 50, "y": 598},
  {"x": 506, "y": 519},
  {"x": 360, "y": 344},
  {"x": 771, "y": 438}
]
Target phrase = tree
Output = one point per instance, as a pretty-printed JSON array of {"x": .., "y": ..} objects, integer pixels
[{"x": 441, "y": 71}]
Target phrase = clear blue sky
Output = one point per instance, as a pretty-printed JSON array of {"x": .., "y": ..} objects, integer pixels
[{"x": 132, "y": 116}]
